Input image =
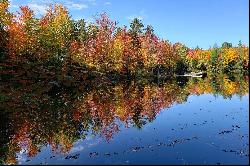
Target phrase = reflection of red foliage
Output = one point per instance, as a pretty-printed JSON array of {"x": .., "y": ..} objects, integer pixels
[
  {"x": 77, "y": 115},
  {"x": 23, "y": 139},
  {"x": 109, "y": 131},
  {"x": 101, "y": 111},
  {"x": 52, "y": 143},
  {"x": 107, "y": 108}
]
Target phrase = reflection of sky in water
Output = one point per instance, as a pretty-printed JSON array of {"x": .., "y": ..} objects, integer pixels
[
  {"x": 46, "y": 153},
  {"x": 187, "y": 133}
]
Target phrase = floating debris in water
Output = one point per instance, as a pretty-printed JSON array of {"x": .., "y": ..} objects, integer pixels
[
  {"x": 235, "y": 126},
  {"x": 225, "y": 131},
  {"x": 107, "y": 154},
  {"x": 137, "y": 148},
  {"x": 52, "y": 157},
  {"x": 93, "y": 154},
  {"x": 73, "y": 157}
]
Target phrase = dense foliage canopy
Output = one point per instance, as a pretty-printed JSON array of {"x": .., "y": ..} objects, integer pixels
[{"x": 57, "y": 40}]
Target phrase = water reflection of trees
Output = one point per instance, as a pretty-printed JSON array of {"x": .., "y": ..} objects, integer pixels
[
  {"x": 223, "y": 85},
  {"x": 38, "y": 114}
]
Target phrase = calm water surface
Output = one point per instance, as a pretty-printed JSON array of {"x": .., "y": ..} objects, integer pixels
[{"x": 184, "y": 121}]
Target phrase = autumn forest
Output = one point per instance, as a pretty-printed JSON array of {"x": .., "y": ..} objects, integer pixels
[
  {"x": 57, "y": 41},
  {"x": 64, "y": 81}
]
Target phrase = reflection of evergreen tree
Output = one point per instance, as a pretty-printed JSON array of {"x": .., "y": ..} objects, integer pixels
[
  {"x": 138, "y": 119},
  {"x": 3, "y": 37},
  {"x": 181, "y": 81},
  {"x": 214, "y": 59},
  {"x": 215, "y": 85},
  {"x": 5, "y": 134}
]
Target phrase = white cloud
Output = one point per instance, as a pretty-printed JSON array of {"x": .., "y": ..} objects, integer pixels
[
  {"x": 90, "y": 20},
  {"x": 107, "y": 3},
  {"x": 77, "y": 6},
  {"x": 141, "y": 16},
  {"x": 92, "y": 2},
  {"x": 134, "y": 16},
  {"x": 71, "y": 5},
  {"x": 38, "y": 8},
  {"x": 13, "y": 6}
]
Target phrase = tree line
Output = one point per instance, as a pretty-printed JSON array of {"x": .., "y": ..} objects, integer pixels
[{"x": 57, "y": 40}]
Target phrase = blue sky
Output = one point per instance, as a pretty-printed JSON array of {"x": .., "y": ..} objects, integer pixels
[{"x": 192, "y": 22}]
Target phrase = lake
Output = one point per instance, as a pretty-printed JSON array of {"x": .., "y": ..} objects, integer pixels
[{"x": 174, "y": 121}]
